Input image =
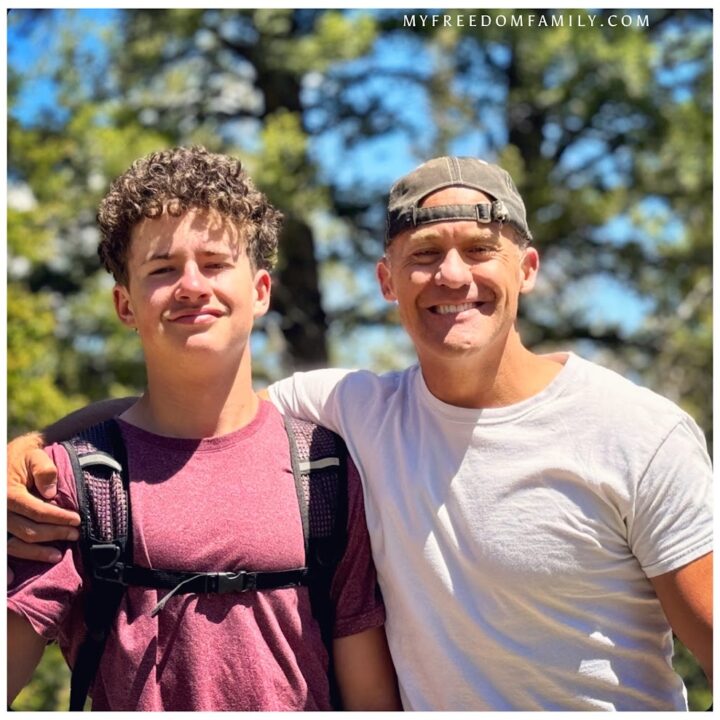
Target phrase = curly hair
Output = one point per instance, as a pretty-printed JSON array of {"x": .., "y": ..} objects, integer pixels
[{"x": 175, "y": 181}]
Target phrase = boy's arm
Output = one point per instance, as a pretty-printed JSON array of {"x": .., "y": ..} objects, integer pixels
[
  {"x": 24, "y": 650},
  {"x": 31, "y": 519},
  {"x": 363, "y": 667},
  {"x": 364, "y": 671}
]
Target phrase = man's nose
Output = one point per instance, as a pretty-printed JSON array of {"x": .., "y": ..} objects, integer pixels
[
  {"x": 192, "y": 284},
  {"x": 453, "y": 270}
]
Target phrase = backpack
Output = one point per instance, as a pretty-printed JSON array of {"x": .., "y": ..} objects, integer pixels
[{"x": 99, "y": 462}]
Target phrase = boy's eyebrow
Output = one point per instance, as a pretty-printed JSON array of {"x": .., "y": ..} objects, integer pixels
[{"x": 205, "y": 253}]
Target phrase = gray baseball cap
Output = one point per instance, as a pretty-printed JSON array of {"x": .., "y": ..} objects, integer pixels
[{"x": 406, "y": 195}]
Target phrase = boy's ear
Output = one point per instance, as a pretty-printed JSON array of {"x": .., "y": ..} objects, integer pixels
[
  {"x": 123, "y": 306},
  {"x": 262, "y": 283}
]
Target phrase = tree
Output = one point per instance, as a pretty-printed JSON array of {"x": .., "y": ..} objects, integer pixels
[
  {"x": 606, "y": 129},
  {"x": 601, "y": 124}
]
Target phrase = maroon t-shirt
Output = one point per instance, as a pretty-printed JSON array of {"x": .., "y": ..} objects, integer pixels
[{"x": 217, "y": 504}]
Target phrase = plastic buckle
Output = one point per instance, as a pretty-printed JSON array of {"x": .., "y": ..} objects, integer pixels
[
  {"x": 499, "y": 211},
  {"x": 105, "y": 555},
  {"x": 236, "y": 582},
  {"x": 105, "y": 565},
  {"x": 115, "y": 574}
]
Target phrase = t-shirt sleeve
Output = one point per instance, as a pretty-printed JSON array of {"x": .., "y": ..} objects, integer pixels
[
  {"x": 310, "y": 396},
  {"x": 354, "y": 590},
  {"x": 45, "y": 594},
  {"x": 672, "y": 522}
]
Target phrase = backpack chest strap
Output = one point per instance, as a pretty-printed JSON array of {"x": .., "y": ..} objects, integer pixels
[
  {"x": 183, "y": 583},
  {"x": 202, "y": 582}
]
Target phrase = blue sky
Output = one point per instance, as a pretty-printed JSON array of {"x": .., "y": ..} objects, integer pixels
[{"x": 377, "y": 163}]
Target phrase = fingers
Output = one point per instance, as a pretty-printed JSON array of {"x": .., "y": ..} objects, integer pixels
[
  {"x": 24, "y": 505},
  {"x": 42, "y": 553},
  {"x": 32, "y": 532},
  {"x": 44, "y": 473}
]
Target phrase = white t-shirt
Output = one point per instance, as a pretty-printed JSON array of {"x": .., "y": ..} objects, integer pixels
[{"x": 513, "y": 545}]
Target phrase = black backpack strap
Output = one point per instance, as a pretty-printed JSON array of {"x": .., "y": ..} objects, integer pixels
[
  {"x": 99, "y": 464},
  {"x": 319, "y": 461},
  {"x": 180, "y": 583}
]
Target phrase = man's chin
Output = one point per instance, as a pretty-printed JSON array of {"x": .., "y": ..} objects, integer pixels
[{"x": 452, "y": 347}]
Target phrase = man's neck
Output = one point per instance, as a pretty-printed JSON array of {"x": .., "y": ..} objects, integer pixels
[
  {"x": 491, "y": 379},
  {"x": 202, "y": 403}
]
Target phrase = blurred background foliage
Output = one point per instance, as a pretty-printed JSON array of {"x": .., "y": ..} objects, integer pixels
[{"x": 607, "y": 131}]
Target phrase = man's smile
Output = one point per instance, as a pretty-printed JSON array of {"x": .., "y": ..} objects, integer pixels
[
  {"x": 452, "y": 309},
  {"x": 461, "y": 309}
]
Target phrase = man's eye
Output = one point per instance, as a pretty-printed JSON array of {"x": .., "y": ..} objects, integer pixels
[
  {"x": 426, "y": 254},
  {"x": 217, "y": 265},
  {"x": 161, "y": 270}
]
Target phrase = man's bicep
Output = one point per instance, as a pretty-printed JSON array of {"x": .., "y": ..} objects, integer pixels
[
  {"x": 671, "y": 516},
  {"x": 686, "y": 598}
]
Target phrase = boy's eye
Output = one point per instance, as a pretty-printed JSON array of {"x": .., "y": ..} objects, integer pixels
[{"x": 161, "y": 270}]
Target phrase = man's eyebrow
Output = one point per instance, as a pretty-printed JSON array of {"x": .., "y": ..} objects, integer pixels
[
  {"x": 479, "y": 235},
  {"x": 423, "y": 235}
]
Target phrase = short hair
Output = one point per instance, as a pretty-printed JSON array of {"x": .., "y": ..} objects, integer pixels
[
  {"x": 175, "y": 181},
  {"x": 518, "y": 236}
]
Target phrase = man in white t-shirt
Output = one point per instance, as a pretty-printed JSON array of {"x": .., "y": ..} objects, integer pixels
[{"x": 539, "y": 524}]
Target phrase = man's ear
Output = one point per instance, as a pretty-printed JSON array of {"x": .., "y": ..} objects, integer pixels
[
  {"x": 384, "y": 278},
  {"x": 529, "y": 266},
  {"x": 123, "y": 306},
  {"x": 262, "y": 284}
]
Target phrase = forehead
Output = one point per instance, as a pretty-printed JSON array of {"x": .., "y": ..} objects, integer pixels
[
  {"x": 455, "y": 195},
  {"x": 202, "y": 229}
]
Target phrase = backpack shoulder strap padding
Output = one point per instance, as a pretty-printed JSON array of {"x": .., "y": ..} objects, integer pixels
[
  {"x": 98, "y": 459},
  {"x": 319, "y": 459},
  {"x": 319, "y": 462}
]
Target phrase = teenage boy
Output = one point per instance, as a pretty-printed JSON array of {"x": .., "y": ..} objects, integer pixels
[{"x": 190, "y": 242}]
